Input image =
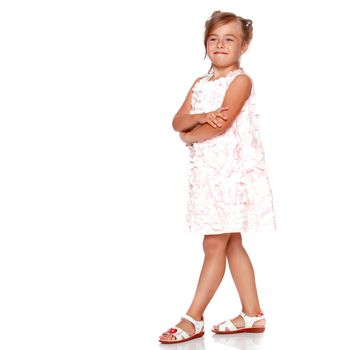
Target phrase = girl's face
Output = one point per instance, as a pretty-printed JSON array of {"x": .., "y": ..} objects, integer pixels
[{"x": 225, "y": 45}]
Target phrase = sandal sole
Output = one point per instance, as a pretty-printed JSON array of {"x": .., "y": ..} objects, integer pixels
[
  {"x": 182, "y": 340},
  {"x": 242, "y": 330}
]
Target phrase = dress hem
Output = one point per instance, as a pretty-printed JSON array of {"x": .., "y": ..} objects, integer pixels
[{"x": 260, "y": 229}]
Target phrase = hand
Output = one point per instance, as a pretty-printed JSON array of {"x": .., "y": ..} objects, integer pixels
[{"x": 211, "y": 117}]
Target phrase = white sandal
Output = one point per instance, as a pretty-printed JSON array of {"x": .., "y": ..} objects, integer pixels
[
  {"x": 181, "y": 335},
  {"x": 248, "y": 325}
]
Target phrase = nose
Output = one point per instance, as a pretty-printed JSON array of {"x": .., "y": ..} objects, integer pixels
[{"x": 220, "y": 43}]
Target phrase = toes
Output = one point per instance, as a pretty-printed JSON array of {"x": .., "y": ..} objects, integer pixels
[{"x": 166, "y": 336}]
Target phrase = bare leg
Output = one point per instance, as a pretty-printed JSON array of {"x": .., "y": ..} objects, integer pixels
[
  {"x": 211, "y": 275},
  {"x": 244, "y": 278}
]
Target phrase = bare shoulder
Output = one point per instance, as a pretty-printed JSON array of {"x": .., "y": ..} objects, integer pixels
[
  {"x": 242, "y": 83},
  {"x": 243, "y": 79},
  {"x": 237, "y": 93}
]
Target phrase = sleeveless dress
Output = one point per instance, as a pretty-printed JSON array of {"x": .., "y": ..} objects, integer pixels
[{"x": 228, "y": 186}]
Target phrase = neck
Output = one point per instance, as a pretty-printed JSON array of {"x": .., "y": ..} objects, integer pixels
[{"x": 221, "y": 72}]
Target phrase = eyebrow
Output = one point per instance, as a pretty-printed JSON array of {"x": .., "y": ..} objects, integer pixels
[{"x": 225, "y": 35}]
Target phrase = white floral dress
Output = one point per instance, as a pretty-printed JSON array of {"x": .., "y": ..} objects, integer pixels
[{"x": 228, "y": 186}]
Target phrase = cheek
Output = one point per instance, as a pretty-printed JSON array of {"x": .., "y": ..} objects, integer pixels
[
  {"x": 235, "y": 49},
  {"x": 210, "y": 48}
]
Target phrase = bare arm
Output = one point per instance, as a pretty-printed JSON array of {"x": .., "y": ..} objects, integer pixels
[
  {"x": 202, "y": 133},
  {"x": 235, "y": 97},
  {"x": 186, "y": 122},
  {"x": 183, "y": 120}
]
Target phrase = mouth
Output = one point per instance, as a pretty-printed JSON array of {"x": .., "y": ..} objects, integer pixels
[{"x": 220, "y": 53}]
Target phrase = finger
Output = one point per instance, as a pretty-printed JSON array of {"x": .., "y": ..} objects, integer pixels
[
  {"x": 217, "y": 123},
  {"x": 220, "y": 115},
  {"x": 223, "y": 108},
  {"x": 209, "y": 116},
  {"x": 223, "y": 116},
  {"x": 212, "y": 123}
]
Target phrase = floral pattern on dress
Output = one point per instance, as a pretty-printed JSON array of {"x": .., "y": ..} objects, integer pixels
[{"x": 228, "y": 185}]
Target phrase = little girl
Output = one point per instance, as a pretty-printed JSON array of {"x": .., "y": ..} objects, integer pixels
[{"x": 229, "y": 191}]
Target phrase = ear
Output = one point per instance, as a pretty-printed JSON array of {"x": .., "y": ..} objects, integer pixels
[{"x": 244, "y": 47}]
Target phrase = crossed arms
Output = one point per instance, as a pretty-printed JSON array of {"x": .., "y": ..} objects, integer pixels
[{"x": 188, "y": 124}]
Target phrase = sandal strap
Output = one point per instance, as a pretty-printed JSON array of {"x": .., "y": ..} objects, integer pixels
[
  {"x": 227, "y": 324},
  {"x": 179, "y": 334},
  {"x": 198, "y": 325},
  {"x": 249, "y": 320}
]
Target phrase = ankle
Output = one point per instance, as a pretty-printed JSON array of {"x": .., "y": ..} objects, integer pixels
[
  {"x": 195, "y": 316},
  {"x": 252, "y": 312}
]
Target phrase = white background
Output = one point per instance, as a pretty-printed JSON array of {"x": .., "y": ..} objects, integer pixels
[{"x": 94, "y": 248}]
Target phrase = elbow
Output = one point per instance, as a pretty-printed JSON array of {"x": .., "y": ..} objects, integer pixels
[{"x": 176, "y": 125}]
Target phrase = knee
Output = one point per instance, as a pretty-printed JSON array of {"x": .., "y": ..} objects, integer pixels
[
  {"x": 235, "y": 242},
  {"x": 215, "y": 244}
]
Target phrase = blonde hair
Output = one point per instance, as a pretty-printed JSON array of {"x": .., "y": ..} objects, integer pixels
[{"x": 219, "y": 18}]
